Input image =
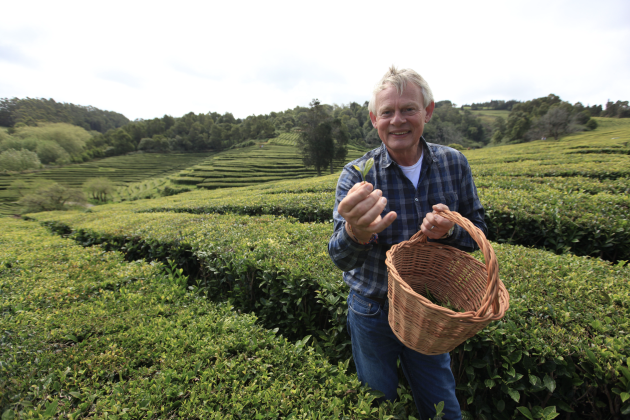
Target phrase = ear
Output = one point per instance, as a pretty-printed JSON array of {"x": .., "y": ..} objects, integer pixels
[
  {"x": 429, "y": 110},
  {"x": 373, "y": 119}
]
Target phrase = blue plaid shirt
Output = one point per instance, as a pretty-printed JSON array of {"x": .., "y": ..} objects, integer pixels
[{"x": 445, "y": 178}]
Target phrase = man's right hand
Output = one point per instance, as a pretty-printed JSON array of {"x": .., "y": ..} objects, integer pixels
[{"x": 362, "y": 209}]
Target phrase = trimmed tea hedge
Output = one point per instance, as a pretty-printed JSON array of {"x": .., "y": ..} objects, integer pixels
[
  {"x": 85, "y": 334},
  {"x": 121, "y": 170},
  {"x": 554, "y": 215},
  {"x": 563, "y": 344}
]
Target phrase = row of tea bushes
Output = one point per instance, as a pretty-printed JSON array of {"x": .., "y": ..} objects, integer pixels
[
  {"x": 550, "y": 215},
  {"x": 251, "y": 165},
  {"x": 121, "y": 170},
  {"x": 86, "y": 334},
  {"x": 273, "y": 266},
  {"x": 564, "y": 158},
  {"x": 592, "y": 166},
  {"x": 561, "y": 184},
  {"x": 562, "y": 344}
]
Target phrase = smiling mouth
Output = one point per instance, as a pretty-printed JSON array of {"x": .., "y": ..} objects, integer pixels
[{"x": 400, "y": 133}]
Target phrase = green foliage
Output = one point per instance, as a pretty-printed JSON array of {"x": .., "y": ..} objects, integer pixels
[
  {"x": 619, "y": 109},
  {"x": 90, "y": 335},
  {"x": 99, "y": 188},
  {"x": 51, "y": 152},
  {"x": 581, "y": 215},
  {"x": 562, "y": 308},
  {"x": 364, "y": 169},
  {"x": 136, "y": 176},
  {"x": 31, "y": 111},
  {"x": 450, "y": 125},
  {"x": 51, "y": 197},
  {"x": 71, "y": 138},
  {"x": 543, "y": 117},
  {"x": 323, "y": 139},
  {"x": 456, "y": 146},
  {"x": 18, "y": 160}
]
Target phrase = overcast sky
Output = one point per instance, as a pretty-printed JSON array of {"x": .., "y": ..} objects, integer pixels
[{"x": 146, "y": 59}]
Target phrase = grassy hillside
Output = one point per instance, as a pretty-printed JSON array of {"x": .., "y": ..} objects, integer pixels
[
  {"x": 120, "y": 169},
  {"x": 271, "y": 161},
  {"x": 489, "y": 115},
  {"x": 603, "y": 153},
  {"x": 564, "y": 336},
  {"x": 141, "y": 176}
]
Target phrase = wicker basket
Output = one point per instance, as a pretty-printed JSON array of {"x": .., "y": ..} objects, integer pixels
[{"x": 451, "y": 276}]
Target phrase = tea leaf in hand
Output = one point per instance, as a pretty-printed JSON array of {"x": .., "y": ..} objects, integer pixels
[{"x": 365, "y": 169}]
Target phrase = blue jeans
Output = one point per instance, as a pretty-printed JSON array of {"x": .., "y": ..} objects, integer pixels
[{"x": 375, "y": 349}]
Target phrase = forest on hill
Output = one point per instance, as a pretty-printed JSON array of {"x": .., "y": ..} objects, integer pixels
[
  {"x": 42, "y": 131},
  {"x": 29, "y": 111}
]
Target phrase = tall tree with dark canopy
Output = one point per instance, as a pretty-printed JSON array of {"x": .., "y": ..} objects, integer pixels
[{"x": 323, "y": 139}]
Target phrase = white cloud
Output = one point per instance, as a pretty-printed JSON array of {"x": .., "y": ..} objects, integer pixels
[{"x": 146, "y": 59}]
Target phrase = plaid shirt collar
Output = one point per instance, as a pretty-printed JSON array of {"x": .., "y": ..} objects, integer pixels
[{"x": 427, "y": 155}]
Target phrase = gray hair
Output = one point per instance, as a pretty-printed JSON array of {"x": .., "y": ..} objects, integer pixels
[{"x": 399, "y": 79}]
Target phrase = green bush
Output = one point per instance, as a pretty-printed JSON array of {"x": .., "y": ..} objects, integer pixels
[
  {"x": 85, "y": 334},
  {"x": 584, "y": 217},
  {"x": 18, "y": 160},
  {"x": 564, "y": 335},
  {"x": 51, "y": 197}
]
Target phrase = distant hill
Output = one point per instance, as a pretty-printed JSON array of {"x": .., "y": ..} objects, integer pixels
[{"x": 30, "y": 111}]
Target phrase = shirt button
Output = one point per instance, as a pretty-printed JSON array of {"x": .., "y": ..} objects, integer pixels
[{"x": 416, "y": 199}]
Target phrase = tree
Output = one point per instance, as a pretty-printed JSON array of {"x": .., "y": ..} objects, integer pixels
[
  {"x": 18, "y": 160},
  {"x": 122, "y": 142},
  {"x": 99, "y": 188},
  {"x": 52, "y": 197},
  {"x": 498, "y": 127},
  {"x": 554, "y": 123},
  {"x": 619, "y": 109},
  {"x": 50, "y": 152},
  {"x": 323, "y": 139},
  {"x": 557, "y": 122}
]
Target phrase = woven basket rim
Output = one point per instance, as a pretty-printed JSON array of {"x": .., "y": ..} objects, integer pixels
[
  {"x": 493, "y": 307},
  {"x": 468, "y": 315}
]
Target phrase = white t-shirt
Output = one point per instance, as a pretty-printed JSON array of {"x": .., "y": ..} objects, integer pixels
[{"x": 413, "y": 172}]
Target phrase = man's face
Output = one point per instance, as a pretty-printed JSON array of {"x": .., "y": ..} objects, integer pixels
[{"x": 400, "y": 121}]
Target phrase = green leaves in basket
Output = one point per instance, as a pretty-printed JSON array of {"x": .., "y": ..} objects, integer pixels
[
  {"x": 365, "y": 169},
  {"x": 436, "y": 301}
]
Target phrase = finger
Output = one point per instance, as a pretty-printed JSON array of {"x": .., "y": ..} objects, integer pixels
[
  {"x": 440, "y": 207},
  {"x": 357, "y": 193},
  {"x": 442, "y": 221},
  {"x": 433, "y": 228},
  {"x": 384, "y": 222},
  {"x": 434, "y": 233},
  {"x": 357, "y": 186},
  {"x": 360, "y": 209},
  {"x": 373, "y": 213}
]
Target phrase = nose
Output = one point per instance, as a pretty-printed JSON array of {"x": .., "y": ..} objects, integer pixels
[{"x": 398, "y": 118}]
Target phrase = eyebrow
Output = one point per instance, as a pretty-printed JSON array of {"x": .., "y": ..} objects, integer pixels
[{"x": 405, "y": 105}]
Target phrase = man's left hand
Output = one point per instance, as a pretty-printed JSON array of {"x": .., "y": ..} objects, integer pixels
[{"x": 435, "y": 226}]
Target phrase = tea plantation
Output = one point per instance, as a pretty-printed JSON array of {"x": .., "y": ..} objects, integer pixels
[
  {"x": 152, "y": 175},
  {"x": 120, "y": 169},
  {"x": 86, "y": 334},
  {"x": 557, "y": 213},
  {"x": 275, "y": 160}
]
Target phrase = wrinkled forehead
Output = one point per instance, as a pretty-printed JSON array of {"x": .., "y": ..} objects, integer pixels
[{"x": 391, "y": 96}]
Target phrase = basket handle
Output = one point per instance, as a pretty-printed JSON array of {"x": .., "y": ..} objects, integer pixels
[{"x": 491, "y": 297}]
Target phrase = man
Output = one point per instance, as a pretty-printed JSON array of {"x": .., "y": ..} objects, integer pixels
[{"x": 409, "y": 180}]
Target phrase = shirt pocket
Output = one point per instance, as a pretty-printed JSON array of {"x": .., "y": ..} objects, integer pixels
[{"x": 449, "y": 198}]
